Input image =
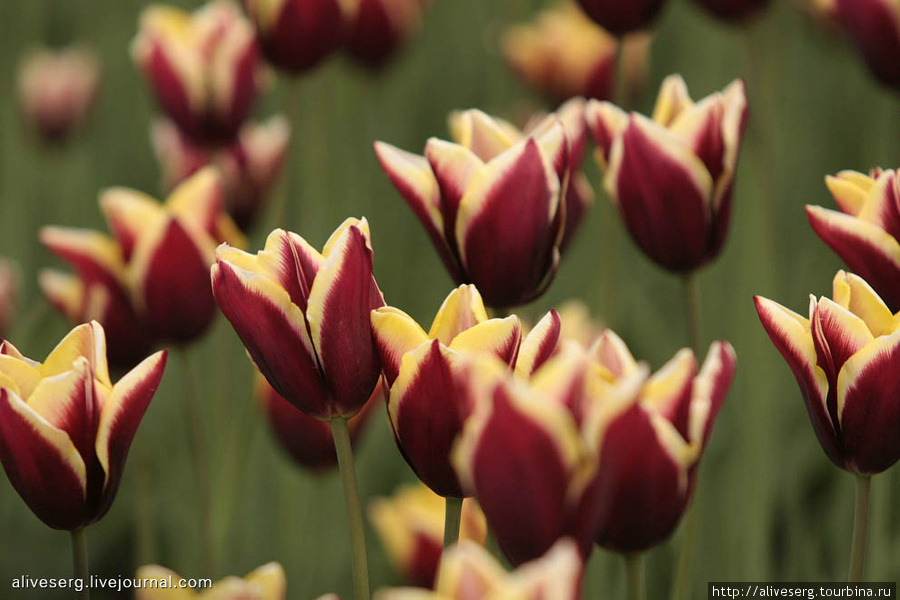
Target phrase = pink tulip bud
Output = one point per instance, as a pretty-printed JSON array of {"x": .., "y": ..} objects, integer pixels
[{"x": 296, "y": 34}]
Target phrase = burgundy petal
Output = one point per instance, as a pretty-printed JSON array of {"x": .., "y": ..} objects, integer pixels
[
  {"x": 620, "y": 17},
  {"x": 304, "y": 32},
  {"x": 873, "y": 26}
]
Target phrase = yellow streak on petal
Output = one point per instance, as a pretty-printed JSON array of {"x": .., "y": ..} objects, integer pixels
[{"x": 462, "y": 309}]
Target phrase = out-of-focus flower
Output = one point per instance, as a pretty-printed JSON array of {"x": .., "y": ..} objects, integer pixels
[
  {"x": 203, "y": 67},
  {"x": 375, "y": 29},
  {"x": 577, "y": 323},
  {"x": 822, "y": 11},
  {"x": 622, "y": 17},
  {"x": 9, "y": 294},
  {"x": 268, "y": 582},
  {"x": 307, "y": 440},
  {"x": 469, "y": 572},
  {"x": 58, "y": 88},
  {"x": 296, "y": 34},
  {"x": 428, "y": 401},
  {"x": 492, "y": 203},
  {"x": 733, "y": 10},
  {"x": 411, "y": 527},
  {"x": 865, "y": 233},
  {"x": 874, "y": 26},
  {"x": 563, "y": 54},
  {"x": 249, "y": 167},
  {"x": 65, "y": 428},
  {"x": 672, "y": 177},
  {"x": 304, "y": 316},
  {"x": 845, "y": 357},
  {"x": 150, "y": 283}
]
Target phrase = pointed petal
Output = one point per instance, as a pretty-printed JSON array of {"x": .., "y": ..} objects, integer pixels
[
  {"x": 610, "y": 351},
  {"x": 539, "y": 344},
  {"x": 454, "y": 166},
  {"x": 669, "y": 390},
  {"x": 396, "y": 333},
  {"x": 292, "y": 262},
  {"x": 462, "y": 309},
  {"x": 484, "y": 135},
  {"x": 88, "y": 341},
  {"x": 128, "y": 213},
  {"x": 850, "y": 190},
  {"x": 673, "y": 99},
  {"x": 94, "y": 255},
  {"x": 710, "y": 389},
  {"x": 499, "y": 337},
  {"x": 606, "y": 122},
  {"x": 197, "y": 201},
  {"x": 838, "y": 334},
  {"x": 855, "y": 294}
]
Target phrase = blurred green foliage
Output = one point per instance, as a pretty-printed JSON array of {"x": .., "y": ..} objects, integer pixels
[{"x": 772, "y": 506}]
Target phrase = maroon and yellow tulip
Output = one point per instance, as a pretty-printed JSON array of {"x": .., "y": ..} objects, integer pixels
[
  {"x": 466, "y": 193},
  {"x": 296, "y": 35},
  {"x": 672, "y": 177},
  {"x": 469, "y": 572},
  {"x": 65, "y": 428},
  {"x": 865, "y": 233},
  {"x": 268, "y": 582},
  {"x": 9, "y": 294},
  {"x": 58, "y": 89},
  {"x": 622, "y": 17},
  {"x": 845, "y": 358},
  {"x": 304, "y": 316},
  {"x": 874, "y": 26},
  {"x": 202, "y": 66},
  {"x": 411, "y": 527},
  {"x": 733, "y": 10},
  {"x": 375, "y": 29}
]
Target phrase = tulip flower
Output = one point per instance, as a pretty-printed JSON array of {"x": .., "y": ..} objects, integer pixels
[
  {"x": 733, "y": 10},
  {"x": 577, "y": 323},
  {"x": 465, "y": 194},
  {"x": 9, "y": 293},
  {"x": 202, "y": 66},
  {"x": 865, "y": 233},
  {"x": 672, "y": 177},
  {"x": 249, "y": 167},
  {"x": 150, "y": 283},
  {"x": 874, "y": 26},
  {"x": 411, "y": 527},
  {"x": 268, "y": 582},
  {"x": 296, "y": 35},
  {"x": 307, "y": 440},
  {"x": 65, "y": 428},
  {"x": 375, "y": 29},
  {"x": 562, "y": 54},
  {"x": 469, "y": 572},
  {"x": 620, "y": 17},
  {"x": 58, "y": 89}
]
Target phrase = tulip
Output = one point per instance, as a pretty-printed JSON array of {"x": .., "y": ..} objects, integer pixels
[
  {"x": 411, "y": 527},
  {"x": 577, "y": 323},
  {"x": 65, "y": 428},
  {"x": 307, "y": 440},
  {"x": 874, "y": 26},
  {"x": 733, "y": 10},
  {"x": 202, "y": 66},
  {"x": 375, "y": 29},
  {"x": 562, "y": 54},
  {"x": 9, "y": 293},
  {"x": 249, "y": 167},
  {"x": 58, "y": 89},
  {"x": 469, "y": 572},
  {"x": 622, "y": 17},
  {"x": 672, "y": 177},
  {"x": 268, "y": 582},
  {"x": 296, "y": 35},
  {"x": 866, "y": 230},
  {"x": 465, "y": 194}
]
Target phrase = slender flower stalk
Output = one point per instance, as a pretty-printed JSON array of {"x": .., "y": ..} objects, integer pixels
[
  {"x": 452, "y": 518},
  {"x": 681, "y": 582},
  {"x": 634, "y": 564},
  {"x": 860, "y": 530},
  {"x": 342, "y": 446},
  {"x": 80, "y": 561}
]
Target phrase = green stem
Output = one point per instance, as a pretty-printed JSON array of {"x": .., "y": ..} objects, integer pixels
[
  {"x": 682, "y": 580},
  {"x": 860, "y": 530},
  {"x": 80, "y": 562},
  {"x": 634, "y": 565},
  {"x": 354, "y": 507},
  {"x": 452, "y": 517},
  {"x": 692, "y": 311}
]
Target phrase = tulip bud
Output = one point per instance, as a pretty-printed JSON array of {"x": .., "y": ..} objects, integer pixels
[
  {"x": 672, "y": 177},
  {"x": 845, "y": 358},
  {"x": 307, "y": 440},
  {"x": 202, "y": 66},
  {"x": 304, "y": 316},
  {"x": 622, "y": 17},
  {"x": 411, "y": 527},
  {"x": 376, "y": 28},
  {"x": 733, "y": 10},
  {"x": 9, "y": 293},
  {"x": 296, "y": 35},
  {"x": 65, "y": 428},
  {"x": 865, "y": 232},
  {"x": 58, "y": 89},
  {"x": 268, "y": 582},
  {"x": 874, "y": 26}
]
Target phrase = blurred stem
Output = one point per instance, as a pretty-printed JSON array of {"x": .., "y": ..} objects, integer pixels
[
  {"x": 354, "y": 507},
  {"x": 143, "y": 507},
  {"x": 681, "y": 582},
  {"x": 200, "y": 456},
  {"x": 634, "y": 565},
  {"x": 452, "y": 517},
  {"x": 80, "y": 562},
  {"x": 860, "y": 530},
  {"x": 692, "y": 310}
]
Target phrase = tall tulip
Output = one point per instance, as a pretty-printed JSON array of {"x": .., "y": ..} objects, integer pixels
[
  {"x": 620, "y": 17},
  {"x": 375, "y": 29},
  {"x": 874, "y": 26},
  {"x": 268, "y": 582}
]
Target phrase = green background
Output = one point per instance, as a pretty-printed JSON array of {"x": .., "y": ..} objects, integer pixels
[{"x": 772, "y": 505}]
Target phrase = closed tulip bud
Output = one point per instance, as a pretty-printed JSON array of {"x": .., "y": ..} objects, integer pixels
[
  {"x": 672, "y": 177},
  {"x": 305, "y": 439},
  {"x": 268, "y": 582},
  {"x": 733, "y": 10},
  {"x": 874, "y": 26},
  {"x": 65, "y": 428},
  {"x": 865, "y": 232},
  {"x": 411, "y": 527},
  {"x": 428, "y": 402},
  {"x": 296, "y": 35},
  {"x": 304, "y": 316},
  {"x": 845, "y": 358},
  {"x": 58, "y": 89},
  {"x": 249, "y": 167},
  {"x": 469, "y": 572},
  {"x": 622, "y": 17},
  {"x": 9, "y": 294},
  {"x": 375, "y": 29},
  {"x": 203, "y": 67},
  {"x": 464, "y": 194}
]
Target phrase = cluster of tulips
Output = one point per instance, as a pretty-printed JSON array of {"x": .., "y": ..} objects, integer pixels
[{"x": 550, "y": 438}]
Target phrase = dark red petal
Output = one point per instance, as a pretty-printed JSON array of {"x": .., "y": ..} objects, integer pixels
[
  {"x": 620, "y": 17},
  {"x": 303, "y": 34},
  {"x": 873, "y": 26}
]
